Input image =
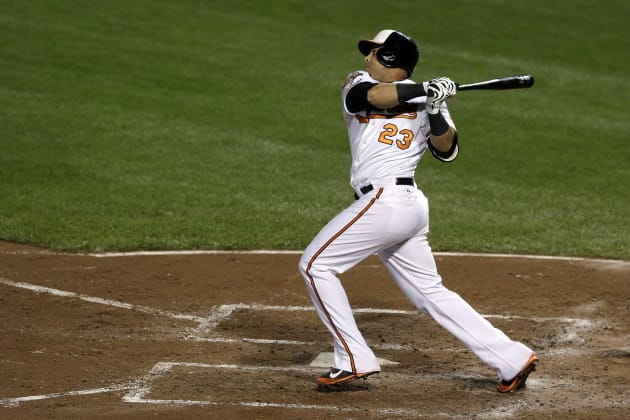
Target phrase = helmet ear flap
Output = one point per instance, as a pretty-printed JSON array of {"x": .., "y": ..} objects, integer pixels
[
  {"x": 391, "y": 58},
  {"x": 386, "y": 57}
]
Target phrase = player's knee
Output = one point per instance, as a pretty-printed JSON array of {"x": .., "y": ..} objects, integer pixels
[
  {"x": 309, "y": 266},
  {"x": 303, "y": 265}
]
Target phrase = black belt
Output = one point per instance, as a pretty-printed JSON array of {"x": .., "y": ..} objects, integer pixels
[{"x": 367, "y": 188}]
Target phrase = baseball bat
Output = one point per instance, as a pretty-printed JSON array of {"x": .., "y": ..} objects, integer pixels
[{"x": 504, "y": 83}]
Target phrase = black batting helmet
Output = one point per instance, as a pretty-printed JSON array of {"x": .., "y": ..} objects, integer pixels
[{"x": 396, "y": 49}]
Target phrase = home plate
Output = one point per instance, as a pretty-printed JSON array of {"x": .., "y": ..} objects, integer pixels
[{"x": 326, "y": 360}]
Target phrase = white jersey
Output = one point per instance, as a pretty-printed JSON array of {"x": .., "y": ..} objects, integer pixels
[{"x": 387, "y": 143}]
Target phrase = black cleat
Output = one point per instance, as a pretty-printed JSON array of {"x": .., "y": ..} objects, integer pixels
[{"x": 338, "y": 376}]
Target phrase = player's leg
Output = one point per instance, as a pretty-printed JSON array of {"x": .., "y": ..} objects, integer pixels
[
  {"x": 413, "y": 267},
  {"x": 353, "y": 235},
  {"x": 339, "y": 246}
]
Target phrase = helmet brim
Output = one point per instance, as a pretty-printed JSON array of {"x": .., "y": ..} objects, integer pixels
[{"x": 367, "y": 45}]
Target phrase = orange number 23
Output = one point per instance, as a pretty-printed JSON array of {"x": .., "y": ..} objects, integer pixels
[{"x": 391, "y": 134}]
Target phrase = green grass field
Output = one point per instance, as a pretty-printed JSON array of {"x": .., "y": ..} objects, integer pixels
[{"x": 217, "y": 125}]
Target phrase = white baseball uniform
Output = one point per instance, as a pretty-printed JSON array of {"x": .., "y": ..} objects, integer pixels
[{"x": 392, "y": 220}]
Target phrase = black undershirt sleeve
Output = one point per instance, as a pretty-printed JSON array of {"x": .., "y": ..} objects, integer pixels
[{"x": 356, "y": 99}]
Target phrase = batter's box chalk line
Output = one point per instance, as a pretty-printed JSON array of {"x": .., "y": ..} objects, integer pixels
[
  {"x": 139, "y": 392},
  {"x": 204, "y": 330},
  {"x": 14, "y": 402}
]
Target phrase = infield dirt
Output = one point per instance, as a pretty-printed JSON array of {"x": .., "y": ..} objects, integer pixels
[{"x": 232, "y": 335}]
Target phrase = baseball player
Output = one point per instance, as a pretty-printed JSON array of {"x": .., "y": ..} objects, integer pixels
[{"x": 392, "y": 122}]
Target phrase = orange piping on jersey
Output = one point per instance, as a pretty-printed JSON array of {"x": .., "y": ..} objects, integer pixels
[
  {"x": 407, "y": 115},
  {"x": 312, "y": 260}
]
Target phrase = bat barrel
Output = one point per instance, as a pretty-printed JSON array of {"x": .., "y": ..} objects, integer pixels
[{"x": 504, "y": 83}]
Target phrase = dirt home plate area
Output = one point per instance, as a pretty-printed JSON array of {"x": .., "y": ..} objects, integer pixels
[{"x": 234, "y": 335}]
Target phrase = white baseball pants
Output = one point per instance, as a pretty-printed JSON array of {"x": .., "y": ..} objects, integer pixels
[{"x": 393, "y": 221}]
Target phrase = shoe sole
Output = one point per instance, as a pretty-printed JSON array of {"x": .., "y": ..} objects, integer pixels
[{"x": 521, "y": 378}]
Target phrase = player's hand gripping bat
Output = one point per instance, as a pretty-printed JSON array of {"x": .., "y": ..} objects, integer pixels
[{"x": 504, "y": 83}]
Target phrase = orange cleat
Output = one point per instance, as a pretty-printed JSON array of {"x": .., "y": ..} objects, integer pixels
[{"x": 518, "y": 381}]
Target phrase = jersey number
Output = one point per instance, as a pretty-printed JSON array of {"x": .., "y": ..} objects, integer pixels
[{"x": 390, "y": 134}]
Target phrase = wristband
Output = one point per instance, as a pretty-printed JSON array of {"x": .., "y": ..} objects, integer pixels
[
  {"x": 407, "y": 91},
  {"x": 438, "y": 124}
]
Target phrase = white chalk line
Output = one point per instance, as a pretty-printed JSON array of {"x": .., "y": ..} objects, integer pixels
[
  {"x": 142, "y": 388},
  {"x": 614, "y": 263},
  {"x": 222, "y": 312},
  {"x": 139, "y": 390},
  {"x": 100, "y": 301},
  {"x": 619, "y": 263},
  {"x": 206, "y": 325},
  {"x": 14, "y": 402},
  {"x": 297, "y": 252}
]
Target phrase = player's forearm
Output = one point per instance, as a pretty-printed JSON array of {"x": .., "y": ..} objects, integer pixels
[
  {"x": 443, "y": 143},
  {"x": 442, "y": 134},
  {"x": 383, "y": 95}
]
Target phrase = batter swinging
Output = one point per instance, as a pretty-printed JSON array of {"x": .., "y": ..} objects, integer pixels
[{"x": 391, "y": 123}]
